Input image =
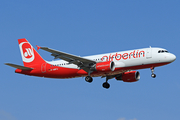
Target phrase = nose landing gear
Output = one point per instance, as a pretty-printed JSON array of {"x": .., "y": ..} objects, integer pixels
[{"x": 152, "y": 71}]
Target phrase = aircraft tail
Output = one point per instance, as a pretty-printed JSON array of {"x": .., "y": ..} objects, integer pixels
[{"x": 29, "y": 55}]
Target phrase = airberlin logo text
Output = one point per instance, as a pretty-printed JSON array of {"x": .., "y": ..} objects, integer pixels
[
  {"x": 26, "y": 52},
  {"x": 125, "y": 56}
]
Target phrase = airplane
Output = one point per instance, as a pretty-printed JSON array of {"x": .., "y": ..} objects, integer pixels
[{"x": 119, "y": 65}]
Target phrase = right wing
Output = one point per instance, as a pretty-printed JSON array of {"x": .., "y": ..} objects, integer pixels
[{"x": 18, "y": 66}]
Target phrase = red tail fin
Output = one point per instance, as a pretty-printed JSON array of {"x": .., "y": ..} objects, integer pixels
[{"x": 29, "y": 55}]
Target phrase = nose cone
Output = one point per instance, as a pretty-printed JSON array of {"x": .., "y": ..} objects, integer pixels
[{"x": 172, "y": 58}]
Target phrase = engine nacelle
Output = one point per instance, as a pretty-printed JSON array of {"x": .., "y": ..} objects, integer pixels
[
  {"x": 105, "y": 66},
  {"x": 132, "y": 76}
]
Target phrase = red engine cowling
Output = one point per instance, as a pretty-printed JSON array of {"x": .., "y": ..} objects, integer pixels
[
  {"x": 132, "y": 76},
  {"x": 105, "y": 66}
]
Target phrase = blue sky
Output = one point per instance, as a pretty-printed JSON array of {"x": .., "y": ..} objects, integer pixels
[{"x": 85, "y": 28}]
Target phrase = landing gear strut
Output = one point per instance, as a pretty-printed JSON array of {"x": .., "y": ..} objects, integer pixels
[{"x": 152, "y": 71}]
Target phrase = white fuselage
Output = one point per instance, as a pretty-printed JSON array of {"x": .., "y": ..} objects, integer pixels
[{"x": 128, "y": 58}]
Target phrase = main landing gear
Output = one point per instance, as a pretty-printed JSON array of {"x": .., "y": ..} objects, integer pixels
[
  {"x": 89, "y": 79},
  {"x": 152, "y": 71},
  {"x": 105, "y": 84}
]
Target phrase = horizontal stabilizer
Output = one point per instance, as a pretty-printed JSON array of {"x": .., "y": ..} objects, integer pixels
[{"x": 18, "y": 66}]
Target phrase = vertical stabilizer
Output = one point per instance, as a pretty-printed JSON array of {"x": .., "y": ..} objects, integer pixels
[{"x": 29, "y": 55}]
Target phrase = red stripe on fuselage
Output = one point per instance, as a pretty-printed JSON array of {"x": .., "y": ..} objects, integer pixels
[{"x": 62, "y": 72}]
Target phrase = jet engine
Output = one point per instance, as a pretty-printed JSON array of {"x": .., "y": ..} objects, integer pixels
[
  {"x": 131, "y": 76},
  {"x": 105, "y": 66}
]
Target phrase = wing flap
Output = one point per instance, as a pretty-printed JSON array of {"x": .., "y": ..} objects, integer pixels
[{"x": 18, "y": 66}]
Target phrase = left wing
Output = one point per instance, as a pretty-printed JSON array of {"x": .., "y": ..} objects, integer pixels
[{"x": 83, "y": 63}]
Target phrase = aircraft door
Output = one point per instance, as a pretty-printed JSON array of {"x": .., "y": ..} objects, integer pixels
[
  {"x": 149, "y": 53},
  {"x": 43, "y": 68}
]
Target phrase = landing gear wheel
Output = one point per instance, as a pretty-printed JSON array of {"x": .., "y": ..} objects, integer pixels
[
  {"x": 89, "y": 79},
  {"x": 106, "y": 85},
  {"x": 153, "y": 75}
]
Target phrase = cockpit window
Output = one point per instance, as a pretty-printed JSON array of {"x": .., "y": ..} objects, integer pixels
[{"x": 163, "y": 51}]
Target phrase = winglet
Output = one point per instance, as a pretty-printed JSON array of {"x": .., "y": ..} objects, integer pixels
[{"x": 38, "y": 47}]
